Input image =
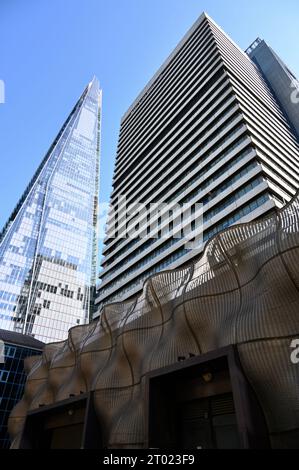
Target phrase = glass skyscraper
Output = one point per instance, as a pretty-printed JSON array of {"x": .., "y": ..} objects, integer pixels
[{"x": 48, "y": 248}]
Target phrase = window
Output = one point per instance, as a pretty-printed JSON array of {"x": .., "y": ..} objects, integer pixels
[
  {"x": 3, "y": 376},
  {"x": 10, "y": 352}
]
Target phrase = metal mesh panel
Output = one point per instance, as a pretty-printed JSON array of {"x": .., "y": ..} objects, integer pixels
[{"x": 243, "y": 291}]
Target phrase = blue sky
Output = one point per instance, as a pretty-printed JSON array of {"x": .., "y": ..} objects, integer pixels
[{"x": 50, "y": 50}]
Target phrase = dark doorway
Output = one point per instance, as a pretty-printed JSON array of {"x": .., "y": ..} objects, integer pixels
[
  {"x": 63, "y": 429},
  {"x": 208, "y": 423},
  {"x": 204, "y": 402},
  {"x": 66, "y": 437},
  {"x": 71, "y": 424}
]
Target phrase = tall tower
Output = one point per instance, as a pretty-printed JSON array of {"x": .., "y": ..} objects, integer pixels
[
  {"x": 48, "y": 248},
  {"x": 281, "y": 80},
  {"x": 207, "y": 129}
]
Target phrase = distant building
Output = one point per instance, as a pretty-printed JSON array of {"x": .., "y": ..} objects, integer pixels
[
  {"x": 48, "y": 248},
  {"x": 281, "y": 80},
  {"x": 12, "y": 375},
  {"x": 208, "y": 130}
]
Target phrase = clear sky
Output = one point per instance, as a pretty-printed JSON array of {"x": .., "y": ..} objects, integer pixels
[{"x": 50, "y": 50}]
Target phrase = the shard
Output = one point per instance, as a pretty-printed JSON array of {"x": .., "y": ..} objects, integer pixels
[{"x": 48, "y": 248}]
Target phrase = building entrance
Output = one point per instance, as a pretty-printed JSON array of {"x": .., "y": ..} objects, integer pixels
[
  {"x": 208, "y": 423},
  {"x": 69, "y": 424},
  {"x": 204, "y": 402}
]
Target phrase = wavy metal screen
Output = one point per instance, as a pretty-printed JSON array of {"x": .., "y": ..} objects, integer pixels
[{"x": 243, "y": 291}]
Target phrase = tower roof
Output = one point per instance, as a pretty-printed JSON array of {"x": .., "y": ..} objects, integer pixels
[{"x": 18, "y": 339}]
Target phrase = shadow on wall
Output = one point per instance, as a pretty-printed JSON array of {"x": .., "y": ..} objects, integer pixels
[{"x": 244, "y": 291}]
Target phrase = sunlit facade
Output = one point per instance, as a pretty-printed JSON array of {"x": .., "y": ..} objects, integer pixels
[
  {"x": 206, "y": 130},
  {"x": 48, "y": 248}
]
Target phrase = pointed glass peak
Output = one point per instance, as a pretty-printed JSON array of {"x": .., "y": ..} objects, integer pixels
[
  {"x": 94, "y": 87},
  {"x": 94, "y": 83}
]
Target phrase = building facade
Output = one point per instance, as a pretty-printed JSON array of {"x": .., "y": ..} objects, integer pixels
[
  {"x": 17, "y": 348},
  {"x": 206, "y": 130},
  {"x": 206, "y": 358},
  {"x": 48, "y": 248}
]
